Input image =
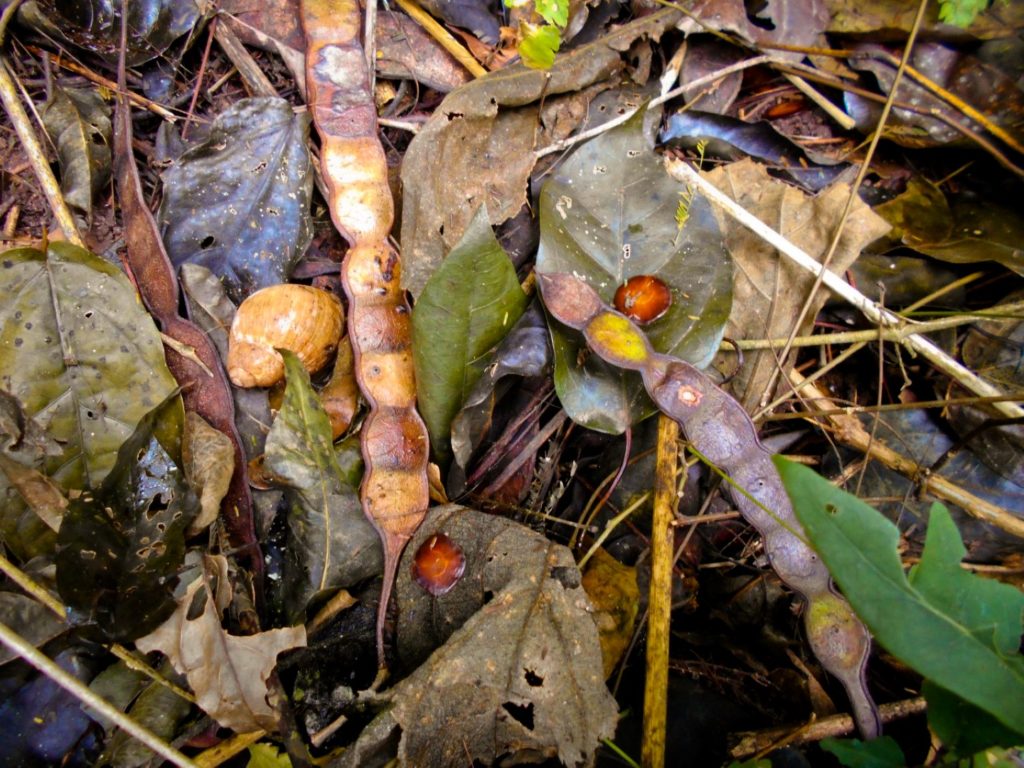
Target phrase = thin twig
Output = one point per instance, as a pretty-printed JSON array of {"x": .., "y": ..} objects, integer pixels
[
  {"x": 849, "y": 430},
  {"x": 443, "y": 36},
  {"x": 660, "y": 595},
  {"x": 876, "y": 314},
  {"x": 36, "y": 155},
  {"x": 90, "y": 699}
]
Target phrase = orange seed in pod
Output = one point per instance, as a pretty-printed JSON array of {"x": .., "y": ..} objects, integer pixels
[
  {"x": 643, "y": 298},
  {"x": 438, "y": 564}
]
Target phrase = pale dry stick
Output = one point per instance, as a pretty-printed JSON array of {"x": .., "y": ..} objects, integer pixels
[
  {"x": 683, "y": 173},
  {"x": 246, "y": 65},
  {"x": 36, "y": 155},
  {"x": 850, "y": 351},
  {"x": 575, "y": 139},
  {"x": 225, "y": 750},
  {"x": 848, "y": 429},
  {"x": 444, "y": 37},
  {"x": 659, "y": 617},
  {"x": 845, "y": 122},
  {"x": 876, "y": 137},
  {"x": 89, "y": 699},
  {"x": 888, "y": 334},
  {"x": 757, "y": 742}
]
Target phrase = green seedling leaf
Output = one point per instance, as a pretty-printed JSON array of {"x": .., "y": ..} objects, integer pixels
[
  {"x": 267, "y": 756},
  {"x": 330, "y": 543},
  {"x": 120, "y": 546},
  {"x": 539, "y": 45},
  {"x": 78, "y": 122},
  {"x": 958, "y": 630},
  {"x": 83, "y": 358},
  {"x": 882, "y": 752},
  {"x": 963, "y": 728},
  {"x": 553, "y": 11},
  {"x": 238, "y": 203},
  {"x": 607, "y": 214},
  {"x": 466, "y": 308}
]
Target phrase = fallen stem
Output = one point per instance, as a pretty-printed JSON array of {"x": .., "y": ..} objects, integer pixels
[
  {"x": 874, "y": 312},
  {"x": 89, "y": 699}
]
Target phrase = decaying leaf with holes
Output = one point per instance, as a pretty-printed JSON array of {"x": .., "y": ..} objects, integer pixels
[
  {"x": 718, "y": 427},
  {"x": 394, "y": 440}
]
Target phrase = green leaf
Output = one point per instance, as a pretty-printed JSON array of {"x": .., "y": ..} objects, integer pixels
[
  {"x": 882, "y": 752},
  {"x": 553, "y": 11},
  {"x": 960, "y": 13},
  {"x": 121, "y": 545},
  {"x": 539, "y": 45},
  {"x": 85, "y": 360},
  {"x": 956, "y": 629},
  {"x": 963, "y": 728},
  {"x": 78, "y": 122},
  {"x": 267, "y": 756},
  {"x": 467, "y": 307},
  {"x": 607, "y": 214},
  {"x": 331, "y": 544}
]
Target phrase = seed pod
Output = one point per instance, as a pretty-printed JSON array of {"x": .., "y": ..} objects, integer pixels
[
  {"x": 643, "y": 298},
  {"x": 303, "y": 320}
]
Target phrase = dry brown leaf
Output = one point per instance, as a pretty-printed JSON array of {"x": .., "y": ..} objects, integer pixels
[
  {"x": 768, "y": 291},
  {"x": 227, "y": 673},
  {"x": 209, "y": 459}
]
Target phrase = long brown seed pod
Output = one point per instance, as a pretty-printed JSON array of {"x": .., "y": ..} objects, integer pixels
[
  {"x": 718, "y": 427},
  {"x": 394, "y": 439}
]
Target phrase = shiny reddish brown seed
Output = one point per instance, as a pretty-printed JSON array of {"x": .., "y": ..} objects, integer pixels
[
  {"x": 643, "y": 298},
  {"x": 438, "y": 564}
]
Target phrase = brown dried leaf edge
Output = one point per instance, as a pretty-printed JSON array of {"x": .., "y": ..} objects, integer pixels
[
  {"x": 394, "y": 439},
  {"x": 718, "y": 427}
]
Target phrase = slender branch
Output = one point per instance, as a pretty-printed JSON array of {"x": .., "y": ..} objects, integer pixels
[
  {"x": 80, "y": 691},
  {"x": 875, "y": 313}
]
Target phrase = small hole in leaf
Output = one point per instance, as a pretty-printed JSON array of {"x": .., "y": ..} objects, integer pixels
[
  {"x": 832, "y": 509},
  {"x": 488, "y": 596},
  {"x": 207, "y": 242},
  {"x": 519, "y": 713},
  {"x": 88, "y": 314},
  {"x": 533, "y": 679}
]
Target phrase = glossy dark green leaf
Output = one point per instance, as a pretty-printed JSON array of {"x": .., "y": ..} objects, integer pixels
[
  {"x": 79, "y": 352},
  {"x": 120, "y": 545},
  {"x": 609, "y": 213},
  {"x": 882, "y": 752},
  {"x": 469, "y": 304},
  {"x": 78, "y": 122},
  {"x": 238, "y": 203},
  {"x": 95, "y": 25},
  {"x": 958, "y": 630},
  {"x": 330, "y": 544}
]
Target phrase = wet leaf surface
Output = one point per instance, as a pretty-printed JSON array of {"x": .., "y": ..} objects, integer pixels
[
  {"x": 82, "y": 356},
  {"x": 96, "y": 26},
  {"x": 330, "y": 543},
  {"x": 469, "y": 304},
  {"x": 519, "y": 671},
  {"x": 238, "y": 202},
  {"x": 608, "y": 213},
  {"x": 121, "y": 544}
]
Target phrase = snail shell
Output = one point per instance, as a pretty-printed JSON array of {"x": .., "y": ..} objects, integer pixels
[{"x": 306, "y": 321}]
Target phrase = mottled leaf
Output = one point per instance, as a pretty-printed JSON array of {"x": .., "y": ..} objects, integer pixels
[
  {"x": 229, "y": 674},
  {"x": 330, "y": 543},
  {"x": 32, "y": 620},
  {"x": 607, "y": 214},
  {"x": 78, "y": 122},
  {"x": 238, "y": 203},
  {"x": 519, "y": 672},
  {"x": 612, "y": 588},
  {"x": 157, "y": 708},
  {"x": 121, "y": 544},
  {"x": 466, "y": 308},
  {"x": 82, "y": 356}
]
